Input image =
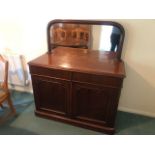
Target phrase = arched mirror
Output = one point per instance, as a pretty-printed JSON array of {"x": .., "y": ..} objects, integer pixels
[{"x": 104, "y": 36}]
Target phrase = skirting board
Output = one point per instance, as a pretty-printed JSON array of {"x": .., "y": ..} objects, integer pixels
[
  {"x": 22, "y": 89},
  {"x": 140, "y": 112}
]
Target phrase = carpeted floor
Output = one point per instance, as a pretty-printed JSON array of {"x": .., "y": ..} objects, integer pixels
[{"x": 26, "y": 123}]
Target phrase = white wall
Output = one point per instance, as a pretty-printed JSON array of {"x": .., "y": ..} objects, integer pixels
[
  {"x": 138, "y": 94},
  {"x": 23, "y": 30}
]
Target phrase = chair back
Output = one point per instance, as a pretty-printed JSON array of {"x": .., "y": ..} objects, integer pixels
[{"x": 4, "y": 83}]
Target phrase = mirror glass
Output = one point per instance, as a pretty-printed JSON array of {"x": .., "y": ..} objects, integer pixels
[
  {"x": 105, "y": 37},
  {"x": 97, "y": 37}
]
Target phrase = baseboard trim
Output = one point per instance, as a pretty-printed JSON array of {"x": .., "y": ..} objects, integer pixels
[
  {"x": 135, "y": 111},
  {"x": 21, "y": 88}
]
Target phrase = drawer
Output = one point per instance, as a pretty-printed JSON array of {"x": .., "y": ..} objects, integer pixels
[
  {"x": 61, "y": 74},
  {"x": 97, "y": 79}
]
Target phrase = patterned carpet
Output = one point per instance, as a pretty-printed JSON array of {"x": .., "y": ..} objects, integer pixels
[{"x": 26, "y": 123}]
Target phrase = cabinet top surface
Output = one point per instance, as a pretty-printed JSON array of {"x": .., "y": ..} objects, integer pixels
[{"x": 81, "y": 60}]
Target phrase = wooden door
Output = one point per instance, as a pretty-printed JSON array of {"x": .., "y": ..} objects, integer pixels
[
  {"x": 95, "y": 104},
  {"x": 51, "y": 95}
]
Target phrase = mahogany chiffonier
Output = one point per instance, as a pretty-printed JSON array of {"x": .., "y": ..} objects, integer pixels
[{"x": 79, "y": 80}]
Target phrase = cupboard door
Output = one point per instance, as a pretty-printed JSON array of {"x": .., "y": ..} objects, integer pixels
[
  {"x": 51, "y": 95},
  {"x": 94, "y": 104}
]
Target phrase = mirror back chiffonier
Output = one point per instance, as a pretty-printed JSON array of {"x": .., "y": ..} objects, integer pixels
[{"x": 79, "y": 80}]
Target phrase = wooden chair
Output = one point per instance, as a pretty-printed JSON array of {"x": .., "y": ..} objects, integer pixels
[{"x": 4, "y": 91}]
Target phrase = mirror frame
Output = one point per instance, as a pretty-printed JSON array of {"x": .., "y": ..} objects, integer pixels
[{"x": 88, "y": 22}]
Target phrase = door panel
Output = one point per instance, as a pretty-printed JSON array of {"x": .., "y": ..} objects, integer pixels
[
  {"x": 92, "y": 103},
  {"x": 51, "y": 94}
]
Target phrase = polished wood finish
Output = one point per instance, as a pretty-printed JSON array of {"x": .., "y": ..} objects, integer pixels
[
  {"x": 78, "y": 86},
  {"x": 81, "y": 60},
  {"x": 4, "y": 91}
]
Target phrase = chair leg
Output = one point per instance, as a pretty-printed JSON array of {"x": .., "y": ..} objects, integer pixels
[
  {"x": 1, "y": 106},
  {"x": 11, "y": 105}
]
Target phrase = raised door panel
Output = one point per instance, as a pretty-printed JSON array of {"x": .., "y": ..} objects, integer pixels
[
  {"x": 94, "y": 104},
  {"x": 51, "y": 95}
]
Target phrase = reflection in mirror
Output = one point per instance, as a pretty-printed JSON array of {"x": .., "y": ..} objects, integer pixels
[
  {"x": 105, "y": 38},
  {"x": 102, "y": 37},
  {"x": 74, "y": 35}
]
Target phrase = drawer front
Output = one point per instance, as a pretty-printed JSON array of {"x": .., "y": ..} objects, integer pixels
[
  {"x": 61, "y": 74},
  {"x": 97, "y": 79}
]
